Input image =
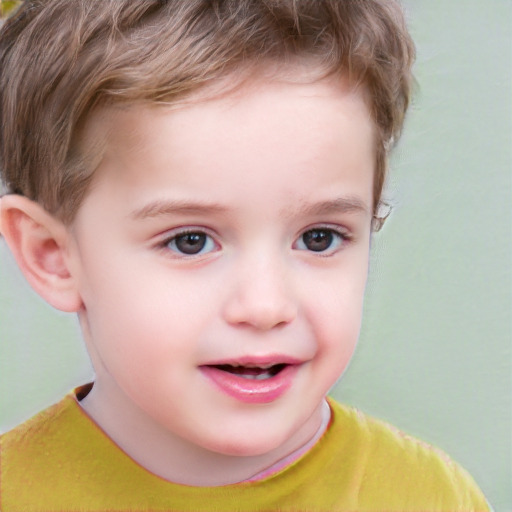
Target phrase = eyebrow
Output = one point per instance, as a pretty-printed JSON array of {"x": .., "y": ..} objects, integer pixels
[
  {"x": 349, "y": 204},
  {"x": 160, "y": 208}
]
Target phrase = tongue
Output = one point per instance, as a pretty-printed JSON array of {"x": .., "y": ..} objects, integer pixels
[{"x": 240, "y": 370}]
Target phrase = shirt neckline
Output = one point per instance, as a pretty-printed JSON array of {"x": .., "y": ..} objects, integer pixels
[{"x": 277, "y": 471}]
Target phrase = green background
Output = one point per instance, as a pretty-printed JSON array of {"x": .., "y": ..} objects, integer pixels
[{"x": 434, "y": 356}]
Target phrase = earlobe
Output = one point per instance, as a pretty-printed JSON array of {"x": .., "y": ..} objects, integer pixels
[{"x": 38, "y": 242}]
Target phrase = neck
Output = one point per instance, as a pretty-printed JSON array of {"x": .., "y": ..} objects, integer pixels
[{"x": 177, "y": 460}]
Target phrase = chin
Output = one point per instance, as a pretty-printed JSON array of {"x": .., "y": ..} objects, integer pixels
[{"x": 248, "y": 446}]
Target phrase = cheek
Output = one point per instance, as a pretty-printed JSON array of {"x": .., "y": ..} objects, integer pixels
[
  {"x": 145, "y": 317},
  {"x": 337, "y": 335},
  {"x": 337, "y": 313},
  {"x": 338, "y": 325}
]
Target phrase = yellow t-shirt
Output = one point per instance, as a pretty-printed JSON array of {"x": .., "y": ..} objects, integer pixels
[{"x": 60, "y": 460}]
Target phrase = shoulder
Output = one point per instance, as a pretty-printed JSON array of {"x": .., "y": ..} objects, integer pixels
[
  {"x": 47, "y": 448},
  {"x": 45, "y": 433},
  {"x": 405, "y": 473},
  {"x": 37, "y": 426},
  {"x": 39, "y": 438}
]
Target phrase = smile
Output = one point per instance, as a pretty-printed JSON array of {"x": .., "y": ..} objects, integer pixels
[
  {"x": 253, "y": 372},
  {"x": 252, "y": 382}
]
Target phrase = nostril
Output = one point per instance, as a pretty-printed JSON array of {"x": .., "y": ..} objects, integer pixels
[
  {"x": 264, "y": 319},
  {"x": 262, "y": 303}
]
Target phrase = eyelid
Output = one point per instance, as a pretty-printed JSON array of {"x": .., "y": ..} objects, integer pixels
[{"x": 336, "y": 228}]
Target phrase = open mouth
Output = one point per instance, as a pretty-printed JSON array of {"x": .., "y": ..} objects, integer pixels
[{"x": 252, "y": 372}]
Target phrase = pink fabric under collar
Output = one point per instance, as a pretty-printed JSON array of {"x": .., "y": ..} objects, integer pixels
[{"x": 286, "y": 461}]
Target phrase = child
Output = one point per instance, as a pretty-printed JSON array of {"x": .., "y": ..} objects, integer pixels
[{"x": 198, "y": 181}]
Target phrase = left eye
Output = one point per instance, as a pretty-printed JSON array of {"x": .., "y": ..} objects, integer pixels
[
  {"x": 320, "y": 240},
  {"x": 191, "y": 243}
]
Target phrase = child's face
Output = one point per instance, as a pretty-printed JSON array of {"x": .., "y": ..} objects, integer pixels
[{"x": 221, "y": 256}]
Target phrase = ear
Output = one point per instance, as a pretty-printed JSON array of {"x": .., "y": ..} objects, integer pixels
[{"x": 38, "y": 242}]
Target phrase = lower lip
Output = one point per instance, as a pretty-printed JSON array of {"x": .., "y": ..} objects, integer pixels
[{"x": 251, "y": 390}]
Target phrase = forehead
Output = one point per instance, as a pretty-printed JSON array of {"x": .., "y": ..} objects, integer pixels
[{"x": 280, "y": 128}]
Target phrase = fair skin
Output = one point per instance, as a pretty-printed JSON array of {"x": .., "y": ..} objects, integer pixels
[{"x": 232, "y": 232}]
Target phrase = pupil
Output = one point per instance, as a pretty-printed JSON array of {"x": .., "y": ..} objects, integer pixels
[
  {"x": 317, "y": 240},
  {"x": 191, "y": 243}
]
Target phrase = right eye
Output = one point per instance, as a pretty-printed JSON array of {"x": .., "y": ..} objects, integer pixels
[
  {"x": 191, "y": 243},
  {"x": 322, "y": 240}
]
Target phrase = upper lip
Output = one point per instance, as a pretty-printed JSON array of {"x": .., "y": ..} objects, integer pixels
[{"x": 263, "y": 361}]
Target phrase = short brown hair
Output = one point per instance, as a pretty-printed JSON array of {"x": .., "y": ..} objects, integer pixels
[{"x": 59, "y": 59}]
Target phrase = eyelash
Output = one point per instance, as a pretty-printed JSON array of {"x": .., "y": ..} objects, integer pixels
[{"x": 338, "y": 236}]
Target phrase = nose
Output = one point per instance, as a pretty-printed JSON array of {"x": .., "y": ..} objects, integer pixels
[{"x": 261, "y": 297}]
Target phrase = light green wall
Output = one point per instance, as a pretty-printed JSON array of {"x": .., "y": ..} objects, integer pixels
[{"x": 434, "y": 356}]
